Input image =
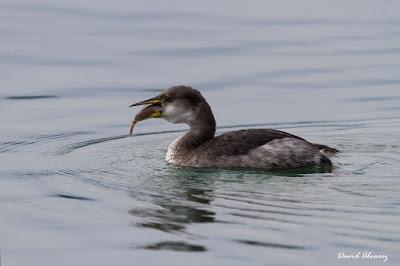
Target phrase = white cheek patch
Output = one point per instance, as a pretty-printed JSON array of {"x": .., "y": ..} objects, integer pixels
[
  {"x": 170, "y": 110},
  {"x": 171, "y": 113},
  {"x": 176, "y": 115}
]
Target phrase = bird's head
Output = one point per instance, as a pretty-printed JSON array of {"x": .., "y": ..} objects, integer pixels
[{"x": 180, "y": 104}]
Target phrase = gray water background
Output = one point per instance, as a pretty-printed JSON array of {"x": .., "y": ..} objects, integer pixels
[{"x": 76, "y": 190}]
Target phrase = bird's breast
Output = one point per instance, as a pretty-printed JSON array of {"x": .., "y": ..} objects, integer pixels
[{"x": 173, "y": 156}]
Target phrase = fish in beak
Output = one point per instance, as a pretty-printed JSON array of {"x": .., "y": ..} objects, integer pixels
[{"x": 152, "y": 110}]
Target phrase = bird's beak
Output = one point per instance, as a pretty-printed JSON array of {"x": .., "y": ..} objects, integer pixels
[
  {"x": 154, "y": 100},
  {"x": 153, "y": 110}
]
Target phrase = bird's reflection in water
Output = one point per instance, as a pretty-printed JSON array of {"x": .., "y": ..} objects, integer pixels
[
  {"x": 184, "y": 195},
  {"x": 182, "y": 199},
  {"x": 175, "y": 213}
]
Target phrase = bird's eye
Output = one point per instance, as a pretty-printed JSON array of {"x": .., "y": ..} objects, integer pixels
[{"x": 166, "y": 99}]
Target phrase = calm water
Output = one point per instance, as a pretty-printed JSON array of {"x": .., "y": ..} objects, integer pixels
[{"x": 76, "y": 190}]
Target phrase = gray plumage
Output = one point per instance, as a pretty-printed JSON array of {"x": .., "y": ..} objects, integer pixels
[{"x": 249, "y": 148}]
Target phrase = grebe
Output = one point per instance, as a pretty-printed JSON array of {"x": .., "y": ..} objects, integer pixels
[{"x": 249, "y": 148}]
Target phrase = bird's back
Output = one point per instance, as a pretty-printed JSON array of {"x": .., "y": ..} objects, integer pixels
[
  {"x": 259, "y": 148},
  {"x": 240, "y": 142}
]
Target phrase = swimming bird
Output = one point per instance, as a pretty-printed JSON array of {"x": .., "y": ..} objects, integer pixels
[{"x": 248, "y": 148}]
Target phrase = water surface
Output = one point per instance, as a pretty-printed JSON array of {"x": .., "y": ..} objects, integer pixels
[{"x": 75, "y": 189}]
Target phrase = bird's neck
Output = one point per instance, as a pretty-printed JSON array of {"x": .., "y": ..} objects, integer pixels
[{"x": 202, "y": 129}]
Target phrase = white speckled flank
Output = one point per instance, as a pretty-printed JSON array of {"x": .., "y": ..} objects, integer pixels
[{"x": 285, "y": 152}]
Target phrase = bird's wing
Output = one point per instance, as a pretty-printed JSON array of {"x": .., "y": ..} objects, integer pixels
[{"x": 242, "y": 141}]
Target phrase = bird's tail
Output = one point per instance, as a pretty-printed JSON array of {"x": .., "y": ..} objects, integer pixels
[{"x": 326, "y": 150}]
